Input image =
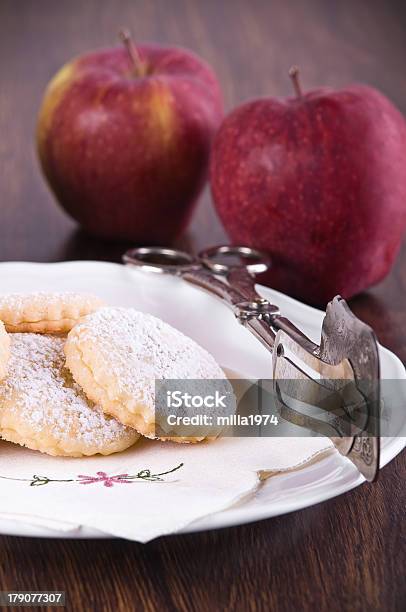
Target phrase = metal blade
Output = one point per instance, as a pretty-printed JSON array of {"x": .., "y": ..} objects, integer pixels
[
  {"x": 306, "y": 402},
  {"x": 344, "y": 336},
  {"x": 298, "y": 383},
  {"x": 348, "y": 353}
]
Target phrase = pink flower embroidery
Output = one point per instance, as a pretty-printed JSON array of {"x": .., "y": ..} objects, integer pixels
[{"x": 107, "y": 480}]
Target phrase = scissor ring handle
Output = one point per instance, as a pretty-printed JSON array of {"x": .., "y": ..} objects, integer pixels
[
  {"x": 160, "y": 259},
  {"x": 262, "y": 259}
]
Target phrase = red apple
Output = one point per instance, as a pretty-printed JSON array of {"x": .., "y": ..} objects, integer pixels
[
  {"x": 319, "y": 180},
  {"x": 124, "y": 137}
]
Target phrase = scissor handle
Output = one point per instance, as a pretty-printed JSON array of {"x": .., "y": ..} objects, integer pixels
[
  {"x": 260, "y": 259},
  {"x": 161, "y": 259}
]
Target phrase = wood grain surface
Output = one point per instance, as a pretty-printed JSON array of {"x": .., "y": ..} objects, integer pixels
[{"x": 345, "y": 554}]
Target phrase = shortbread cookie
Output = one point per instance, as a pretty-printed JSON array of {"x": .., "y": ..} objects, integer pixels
[
  {"x": 41, "y": 406},
  {"x": 45, "y": 312},
  {"x": 116, "y": 354},
  {"x": 4, "y": 350}
]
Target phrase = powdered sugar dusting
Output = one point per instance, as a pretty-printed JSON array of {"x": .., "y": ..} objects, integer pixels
[
  {"x": 40, "y": 392},
  {"x": 134, "y": 349}
]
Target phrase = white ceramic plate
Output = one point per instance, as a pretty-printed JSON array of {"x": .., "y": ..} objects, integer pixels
[{"x": 211, "y": 323}]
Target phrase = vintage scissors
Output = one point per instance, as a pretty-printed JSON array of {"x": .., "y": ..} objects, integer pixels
[{"x": 348, "y": 350}]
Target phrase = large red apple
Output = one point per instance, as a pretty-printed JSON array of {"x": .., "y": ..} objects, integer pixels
[
  {"x": 319, "y": 180},
  {"x": 124, "y": 137}
]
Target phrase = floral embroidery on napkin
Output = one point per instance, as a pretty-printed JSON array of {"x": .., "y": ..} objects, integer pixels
[{"x": 101, "y": 477}]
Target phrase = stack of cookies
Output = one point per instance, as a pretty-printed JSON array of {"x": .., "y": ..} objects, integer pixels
[{"x": 77, "y": 377}]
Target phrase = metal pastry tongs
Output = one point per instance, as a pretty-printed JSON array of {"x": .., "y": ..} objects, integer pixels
[{"x": 340, "y": 376}]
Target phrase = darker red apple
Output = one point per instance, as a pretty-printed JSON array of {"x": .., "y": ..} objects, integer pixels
[
  {"x": 319, "y": 180},
  {"x": 124, "y": 137}
]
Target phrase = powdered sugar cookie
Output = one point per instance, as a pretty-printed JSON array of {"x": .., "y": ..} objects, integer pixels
[
  {"x": 45, "y": 312},
  {"x": 116, "y": 354},
  {"x": 41, "y": 406},
  {"x": 4, "y": 350}
]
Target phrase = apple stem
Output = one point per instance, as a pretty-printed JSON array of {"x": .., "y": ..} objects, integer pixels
[
  {"x": 294, "y": 75},
  {"x": 133, "y": 53}
]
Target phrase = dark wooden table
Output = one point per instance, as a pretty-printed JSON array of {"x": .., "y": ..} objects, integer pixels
[{"x": 345, "y": 554}]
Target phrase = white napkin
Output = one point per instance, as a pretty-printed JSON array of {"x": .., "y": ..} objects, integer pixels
[{"x": 213, "y": 476}]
